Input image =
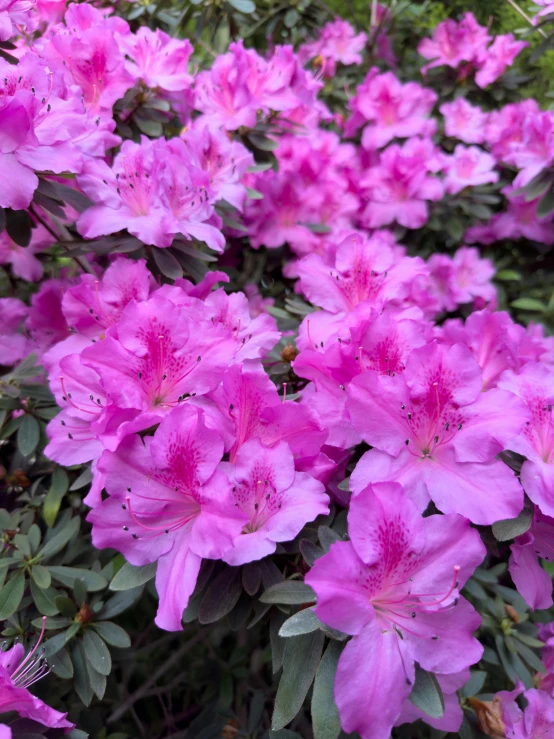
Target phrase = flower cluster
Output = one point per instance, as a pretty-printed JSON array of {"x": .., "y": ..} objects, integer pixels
[{"x": 417, "y": 406}]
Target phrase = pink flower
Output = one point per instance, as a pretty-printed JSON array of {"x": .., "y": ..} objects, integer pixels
[
  {"x": 23, "y": 261},
  {"x": 154, "y": 191},
  {"x": 168, "y": 503},
  {"x": 536, "y": 720},
  {"x": 533, "y": 583},
  {"x": 497, "y": 58},
  {"x": 40, "y": 124},
  {"x": 17, "y": 673},
  {"x": 398, "y": 188},
  {"x": 546, "y": 681},
  {"x": 494, "y": 339},
  {"x": 46, "y": 323},
  {"x": 362, "y": 270},
  {"x": 547, "y": 8},
  {"x": 157, "y": 59},
  {"x": 226, "y": 162},
  {"x": 453, "y": 43},
  {"x": 277, "y": 500},
  {"x": 468, "y": 166},
  {"x": 464, "y": 121},
  {"x": 392, "y": 109},
  {"x": 379, "y": 342},
  {"x": 14, "y": 14},
  {"x": 461, "y": 279},
  {"x": 91, "y": 41},
  {"x": 161, "y": 356},
  {"x": 93, "y": 305},
  {"x": 13, "y": 345},
  {"x": 435, "y": 432},
  {"x": 395, "y": 588},
  {"x": 337, "y": 42},
  {"x": 535, "y": 386}
]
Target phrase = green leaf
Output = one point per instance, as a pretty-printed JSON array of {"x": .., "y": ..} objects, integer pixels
[
  {"x": 325, "y": 715},
  {"x": 68, "y": 575},
  {"x": 11, "y": 595},
  {"x": 28, "y": 435},
  {"x": 427, "y": 694},
  {"x": 44, "y": 599},
  {"x": 546, "y": 204},
  {"x": 34, "y": 537},
  {"x": 474, "y": 684},
  {"x": 508, "y": 275},
  {"x": 301, "y": 659},
  {"x": 530, "y": 657},
  {"x": 221, "y": 596},
  {"x": 284, "y": 734},
  {"x": 120, "y": 602},
  {"x": 251, "y": 577},
  {"x": 41, "y": 576},
  {"x": 83, "y": 687},
  {"x": 62, "y": 666},
  {"x": 54, "y": 644},
  {"x": 290, "y": 592},
  {"x": 512, "y": 527},
  {"x": 19, "y": 226},
  {"x": 262, "y": 142},
  {"x": 113, "y": 634},
  {"x": 529, "y": 304},
  {"x": 52, "y": 502},
  {"x": 529, "y": 640},
  {"x": 65, "y": 606},
  {"x": 167, "y": 264},
  {"x": 60, "y": 539},
  {"x": 292, "y": 17},
  {"x": 302, "y": 622},
  {"x": 84, "y": 479},
  {"x": 310, "y": 551},
  {"x": 154, "y": 129},
  {"x": 327, "y": 537},
  {"x": 243, "y": 6},
  {"x": 97, "y": 652},
  {"x": 22, "y": 544},
  {"x": 130, "y": 576}
]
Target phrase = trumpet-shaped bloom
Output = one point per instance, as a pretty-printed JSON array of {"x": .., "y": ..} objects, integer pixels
[
  {"x": 13, "y": 345},
  {"x": 535, "y": 386},
  {"x": 395, "y": 588},
  {"x": 277, "y": 500},
  {"x": 435, "y": 432},
  {"x": 469, "y": 166},
  {"x": 168, "y": 503},
  {"x": 17, "y": 673},
  {"x": 15, "y": 14},
  {"x": 157, "y": 59},
  {"x": 337, "y": 42},
  {"x": 461, "y": 279},
  {"x": 532, "y": 582},
  {"x": 464, "y": 121}
]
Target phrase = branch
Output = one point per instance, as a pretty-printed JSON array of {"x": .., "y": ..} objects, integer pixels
[
  {"x": 81, "y": 261},
  {"x": 167, "y": 665},
  {"x": 529, "y": 20}
]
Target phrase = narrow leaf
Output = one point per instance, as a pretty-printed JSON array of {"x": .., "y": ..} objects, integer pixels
[
  {"x": 302, "y": 622},
  {"x": 427, "y": 694},
  {"x": 130, "y": 576},
  {"x": 28, "y": 435},
  {"x": 290, "y": 592},
  {"x": 11, "y": 595},
  {"x": 325, "y": 715}
]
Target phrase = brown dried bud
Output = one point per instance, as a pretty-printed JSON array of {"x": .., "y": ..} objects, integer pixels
[
  {"x": 230, "y": 730},
  {"x": 489, "y": 717},
  {"x": 512, "y": 613},
  {"x": 289, "y": 353},
  {"x": 86, "y": 614},
  {"x": 19, "y": 479}
]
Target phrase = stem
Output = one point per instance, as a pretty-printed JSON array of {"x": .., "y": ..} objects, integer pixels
[
  {"x": 529, "y": 20},
  {"x": 81, "y": 261},
  {"x": 167, "y": 665}
]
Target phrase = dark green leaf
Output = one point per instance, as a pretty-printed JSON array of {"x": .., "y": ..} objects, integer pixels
[
  {"x": 82, "y": 681},
  {"x": 11, "y": 595},
  {"x": 310, "y": 551},
  {"x": 113, "y": 634},
  {"x": 54, "y": 644},
  {"x": 41, "y": 576},
  {"x": 221, "y": 596},
  {"x": 85, "y": 478},
  {"x": 97, "y": 652},
  {"x": 62, "y": 666},
  {"x": 300, "y": 662},
  {"x": 303, "y": 622},
  {"x": 243, "y": 6},
  {"x": 289, "y": 592},
  {"x": 2, "y": 219},
  {"x": 60, "y": 539},
  {"x": 546, "y": 204},
  {"x": 19, "y": 226},
  {"x": 44, "y": 599},
  {"x": 130, "y": 577},
  {"x": 28, "y": 435},
  {"x": 427, "y": 694},
  {"x": 529, "y": 304},
  {"x": 68, "y": 575},
  {"x": 251, "y": 577},
  {"x": 512, "y": 527},
  {"x": 167, "y": 264},
  {"x": 327, "y": 537},
  {"x": 475, "y": 683},
  {"x": 65, "y": 606},
  {"x": 54, "y": 497},
  {"x": 48, "y": 204},
  {"x": 292, "y": 17},
  {"x": 154, "y": 129},
  {"x": 120, "y": 602},
  {"x": 325, "y": 715}
]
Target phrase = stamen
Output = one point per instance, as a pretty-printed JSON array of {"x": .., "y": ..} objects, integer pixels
[{"x": 30, "y": 655}]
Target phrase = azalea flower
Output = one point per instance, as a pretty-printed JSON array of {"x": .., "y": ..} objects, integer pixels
[
  {"x": 168, "y": 503},
  {"x": 468, "y": 166},
  {"x": 533, "y": 583},
  {"x": 395, "y": 588},
  {"x": 17, "y": 673},
  {"x": 464, "y": 121},
  {"x": 433, "y": 431}
]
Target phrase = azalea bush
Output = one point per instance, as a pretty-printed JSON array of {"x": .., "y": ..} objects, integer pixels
[{"x": 277, "y": 385}]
